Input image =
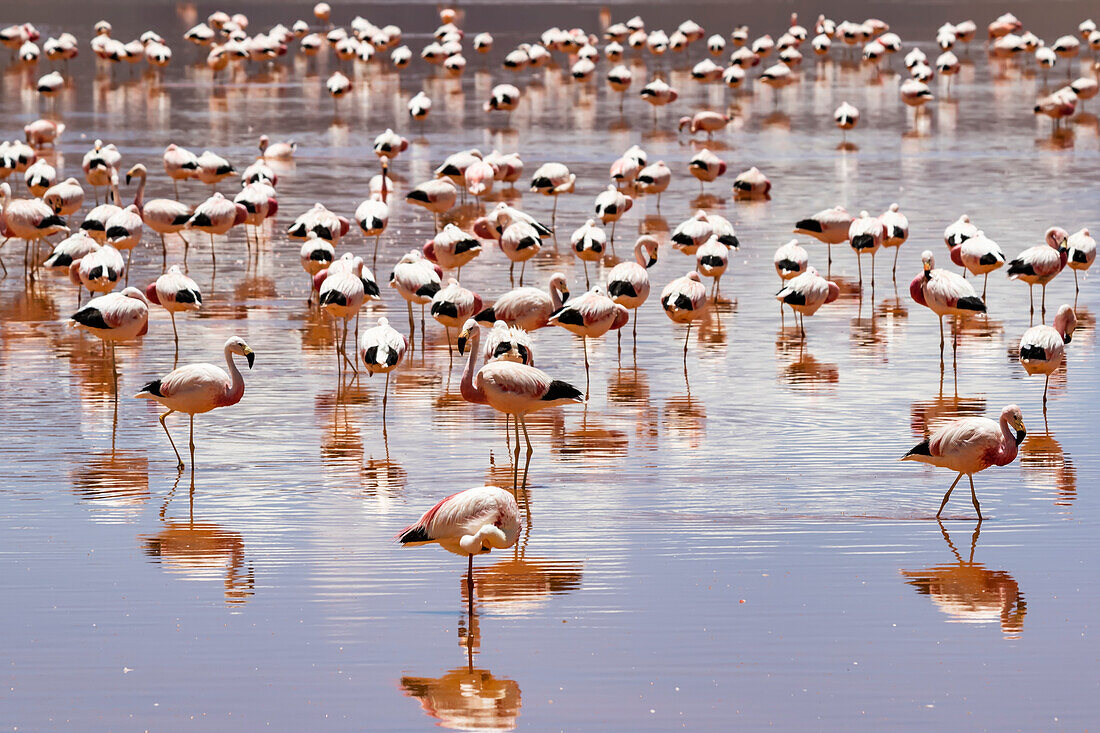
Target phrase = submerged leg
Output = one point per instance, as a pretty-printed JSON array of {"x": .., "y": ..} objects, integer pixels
[
  {"x": 974, "y": 497},
  {"x": 163, "y": 425},
  {"x": 192, "y": 443}
]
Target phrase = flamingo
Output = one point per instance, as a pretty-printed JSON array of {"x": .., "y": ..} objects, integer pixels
[
  {"x": 1038, "y": 265},
  {"x": 437, "y": 196},
  {"x": 519, "y": 243},
  {"x": 846, "y": 117},
  {"x": 588, "y": 243},
  {"x": 654, "y": 179},
  {"x": 98, "y": 164},
  {"x": 510, "y": 344},
  {"x": 980, "y": 255},
  {"x": 790, "y": 260},
  {"x": 324, "y": 223},
  {"x": 752, "y": 184},
  {"x": 553, "y": 179},
  {"x": 28, "y": 219},
  {"x": 611, "y": 204},
  {"x": 419, "y": 106},
  {"x": 1042, "y": 348},
  {"x": 704, "y": 121},
  {"x": 806, "y": 293},
  {"x": 895, "y": 230},
  {"x": 175, "y": 292},
  {"x": 195, "y": 389},
  {"x": 945, "y": 294},
  {"x": 959, "y": 231},
  {"x": 316, "y": 255},
  {"x": 276, "y": 151},
  {"x": 685, "y": 300},
  {"x": 99, "y": 270},
  {"x": 706, "y": 167},
  {"x": 382, "y": 349},
  {"x": 341, "y": 295},
  {"x": 711, "y": 260},
  {"x": 123, "y": 232},
  {"x": 114, "y": 318},
  {"x": 217, "y": 215},
  {"x": 866, "y": 234},
  {"x": 213, "y": 168},
  {"x": 970, "y": 445},
  {"x": 689, "y": 235},
  {"x": 829, "y": 226},
  {"x": 628, "y": 282},
  {"x": 453, "y": 305},
  {"x": 65, "y": 198},
  {"x": 338, "y": 86},
  {"x": 504, "y": 215},
  {"x": 39, "y": 177},
  {"x": 452, "y": 248},
  {"x": 526, "y": 307},
  {"x": 507, "y": 167},
  {"x": 590, "y": 316},
  {"x": 180, "y": 164},
  {"x": 373, "y": 216},
  {"x": 70, "y": 250},
  {"x": 468, "y": 523},
  {"x": 417, "y": 280},
  {"x": 260, "y": 204},
  {"x": 163, "y": 216},
  {"x": 511, "y": 388},
  {"x": 1082, "y": 253}
]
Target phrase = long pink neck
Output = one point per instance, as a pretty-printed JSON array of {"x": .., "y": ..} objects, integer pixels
[
  {"x": 236, "y": 387},
  {"x": 1009, "y": 449},
  {"x": 555, "y": 297},
  {"x": 467, "y": 388},
  {"x": 139, "y": 197},
  {"x": 639, "y": 254}
]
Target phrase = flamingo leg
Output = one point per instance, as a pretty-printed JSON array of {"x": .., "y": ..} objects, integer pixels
[
  {"x": 974, "y": 497},
  {"x": 176, "y": 338},
  {"x": 948, "y": 495},
  {"x": 686, "y": 337},
  {"x": 894, "y": 273},
  {"x": 1076, "y": 286},
  {"x": 1044, "y": 303},
  {"x": 1046, "y": 386},
  {"x": 584, "y": 345},
  {"x": 163, "y": 253},
  {"x": 859, "y": 264},
  {"x": 412, "y": 325},
  {"x": 530, "y": 449},
  {"x": 515, "y": 459},
  {"x": 163, "y": 425},
  {"x": 1031, "y": 297},
  {"x": 470, "y": 586},
  {"x": 985, "y": 284},
  {"x": 941, "y": 339},
  {"x": 385, "y": 399},
  {"x": 586, "y": 283},
  {"x": 191, "y": 443}
]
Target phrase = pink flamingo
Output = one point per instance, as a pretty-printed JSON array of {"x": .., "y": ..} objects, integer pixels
[
  {"x": 341, "y": 296},
  {"x": 895, "y": 231},
  {"x": 590, "y": 316},
  {"x": 970, "y": 445},
  {"x": 945, "y": 294},
  {"x": 216, "y": 215},
  {"x": 163, "y": 216},
  {"x": 1038, "y": 265},
  {"x": 28, "y": 219},
  {"x": 790, "y": 260},
  {"x": 628, "y": 282},
  {"x": 468, "y": 523},
  {"x": 123, "y": 232},
  {"x": 373, "y": 216},
  {"x": 114, "y": 318},
  {"x": 752, "y": 184},
  {"x": 526, "y": 307},
  {"x": 685, "y": 300},
  {"x": 175, "y": 292},
  {"x": 1082, "y": 253},
  {"x": 510, "y": 388},
  {"x": 65, "y": 198},
  {"x": 806, "y": 293},
  {"x": 654, "y": 179},
  {"x": 866, "y": 234},
  {"x": 553, "y": 179},
  {"x": 706, "y": 121},
  {"x": 980, "y": 255},
  {"x": 437, "y": 196},
  {"x": 611, "y": 204},
  {"x": 99, "y": 270},
  {"x": 213, "y": 168},
  {"x": 1042, "y": 348},
  {"x": 829, "y": 226},
  {"x": 691, "y": 234},
  {"x": 382, "y": 349},
  {"x": 180, "y": 164},
  {"x": 519, "y": 243},
  {"x": 195, "y": 389},
  {"x": 260, "y": 204},
  {"x": 452, "y": 248},
  {"x": 326, "y": 224},
  {"x": 316, "y": 255},
  {"x": 417, "y": 280},
  {"x": 588, "y": 244},
  {"x": 959, "y": 231},
  {"x": 706, "y": 167},
  {"x": 453, "y": 305}
]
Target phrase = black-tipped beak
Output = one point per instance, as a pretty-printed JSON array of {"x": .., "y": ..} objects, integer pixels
[
  {"x": 461, "y": 345},
  {"x": 251, "y": 357},
  {"x": 651, "y": 263},
  {"x": 564, "y": 295},
  {"x": 1067, "y": 338},
  {"x": 127, "y": 179},
  {"x": 1020, "y": 435}
]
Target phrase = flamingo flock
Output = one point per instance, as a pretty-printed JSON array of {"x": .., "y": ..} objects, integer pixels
[{"x": 501, "y": 374}]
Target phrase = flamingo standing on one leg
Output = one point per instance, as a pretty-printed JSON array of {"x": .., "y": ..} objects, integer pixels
[
  {"x": 468, "y": 523},
  {"x": 829, "y": 226},
  {"x": 341, "y": 296},
  {"x": 980, "y": 255},
  {"x": 866, "y": 234},
  {"x": 1038, "y": 265},
  {"x": 417, "y": 280},
  {"x": 452, "y": 306},
  {"x": 519, "y": 243},
  {"x": 711, "y": 260},
  {"x": 175, "y": 292},
  {"x": 590, "y": 316},
  {"x": 945, "y": 294},
  {"x": 1082, "y": 253},
  {"x": 194, "y": 389},
  {"x": 114, "y": 318},
  {"x": 588, "y": 244},
  {"x": 373, "y": 216},
  {"x": 628, "y": 282},
  {"x": 1042, "y": 348},
  {"x": 316, "y": 255},
  {"x": 382, "y": 349},
  {"x": 895, "y": 230},
  {"x": 611, "y": 204},
  {"x": 511, "y": 388},
  {"x": 684, "y": 300},
  {"x": 970, "y": 445}
]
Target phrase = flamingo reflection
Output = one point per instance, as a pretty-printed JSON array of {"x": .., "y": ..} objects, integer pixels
[
  {"x": 1043, "y": 464},
  {"x": 969, "y": 593}
]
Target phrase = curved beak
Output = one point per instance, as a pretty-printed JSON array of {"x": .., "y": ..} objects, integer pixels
[
  {"x": 127, "y": 179},
  {"x": 250, "y": 355},
  {"x": 564, "y": 295},
  {"x": 462, "y": 342},
  {"x": 1067, "y": 338},
  {"x": 651, "y": 263},
  {"x": 1020, "y": 435}
]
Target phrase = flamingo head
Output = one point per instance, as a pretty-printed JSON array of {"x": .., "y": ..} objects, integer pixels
[
  {"x": 1065, "y": 323},
  {"x": 928, "y": 261},
  {"x": 236, "y": 345},
  {"x": 241, "y": 215},
  {"x": 1058, "y": 238},
  {"x": 468, "y": 328},
  {"x": 1015, "y": 419},
  {"x": 429, "y": 250},
  {"x": 834, "y": 292}
]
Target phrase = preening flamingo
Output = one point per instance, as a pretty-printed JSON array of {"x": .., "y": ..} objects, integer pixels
[
  {"x": 970, "y": 445},
  {"x": 468, "y": 523},
  {"x": 526, "y": 307},
  {"x": 195, "y": 389}
]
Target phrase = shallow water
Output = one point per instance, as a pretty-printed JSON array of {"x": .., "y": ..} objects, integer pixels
[{"x": 730, "y": 545}]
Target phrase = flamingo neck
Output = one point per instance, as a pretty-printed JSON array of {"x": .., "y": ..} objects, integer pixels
[
  {"x": 1009, "y": 446},
  {"x": 139, "y": 197},
  {"x": 639, "y": 254},
  {"x": 555, "y": 297},
  {"x": 236, "y": 386},
  {"x": 467, "y": 388}
]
